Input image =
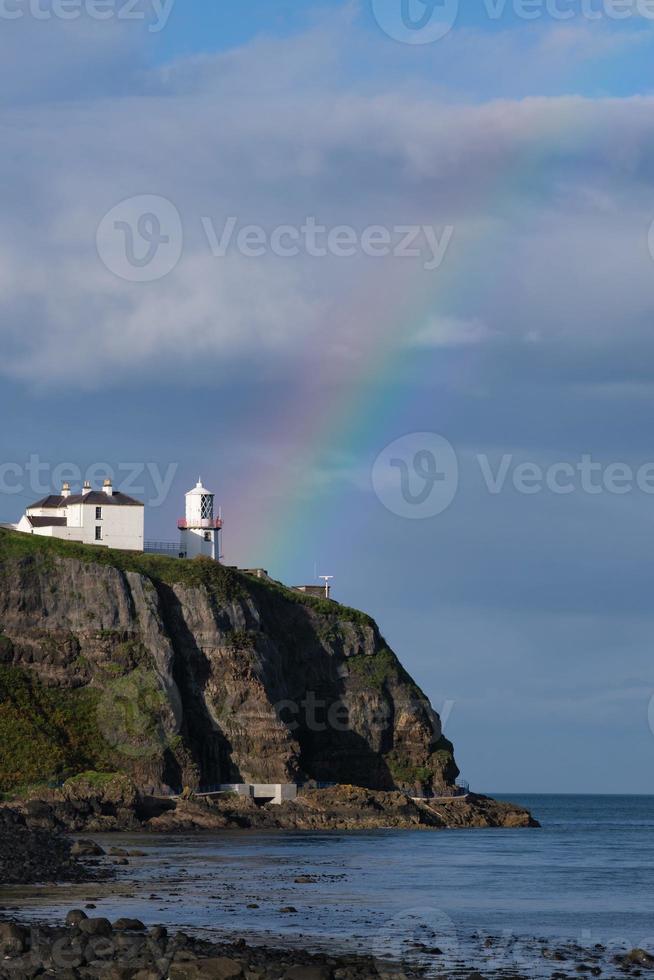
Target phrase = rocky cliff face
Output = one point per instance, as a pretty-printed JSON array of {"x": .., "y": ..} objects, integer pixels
[{"x": 190, "y": 674}]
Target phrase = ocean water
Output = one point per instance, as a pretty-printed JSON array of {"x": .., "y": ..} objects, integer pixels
[{"x": 585, "y": 878}]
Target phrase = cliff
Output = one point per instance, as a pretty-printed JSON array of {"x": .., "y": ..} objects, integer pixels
[{"x": 191, "y": 674}]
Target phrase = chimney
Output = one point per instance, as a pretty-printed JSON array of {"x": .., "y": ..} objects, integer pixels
[
  {"x": 65, "y": 490},
  {"x": 86, "y": 488},
  {"x": 108, "y": 488}
]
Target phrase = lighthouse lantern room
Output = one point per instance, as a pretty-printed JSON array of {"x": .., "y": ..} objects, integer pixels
[{"x": 200, "y": 530}]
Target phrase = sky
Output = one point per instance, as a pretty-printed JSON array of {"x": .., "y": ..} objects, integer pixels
[{"x": 381, "y": 272}]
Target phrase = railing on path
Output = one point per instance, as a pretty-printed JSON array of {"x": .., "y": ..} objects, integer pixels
[{"x": 169, "y": 548}]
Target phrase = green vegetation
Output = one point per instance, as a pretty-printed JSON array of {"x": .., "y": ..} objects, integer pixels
[
  {"x": 47, "y": 733},
  {"x": 381, "y": 668},
  {"x": 241, "y": 640},
  {"x": 323, "y": 606},
  {"x": 224, "y": 583},
  {"x": 444, "y": 750},
  {"x": 405, "y": 773},
  {"x": 134, "y": 715},
  {"x": 98, "y": 780},
  {"x": 376, "y": 669},
  {"x": 130, "y": 654}
]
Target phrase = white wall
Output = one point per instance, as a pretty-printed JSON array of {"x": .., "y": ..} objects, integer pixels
[
  {"x": 192, "y": 542},
  {"x": 122, "y": 527}
]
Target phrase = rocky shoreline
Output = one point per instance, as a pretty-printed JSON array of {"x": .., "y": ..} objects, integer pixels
[
  {"x": 30, "y": 855},
  {"x": 127, "y": 950},
  {"x": 34, "y": 849},
  {"x": 93, "y": 947},
  {"x": 89, "y": 945},
  {"x": 118, "y": 806}
]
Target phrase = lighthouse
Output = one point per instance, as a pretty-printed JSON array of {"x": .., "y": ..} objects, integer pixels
[{"x": 200, "y": 530}]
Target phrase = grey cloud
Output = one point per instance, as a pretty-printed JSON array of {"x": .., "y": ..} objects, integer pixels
[{"x": 545, "y": 194}]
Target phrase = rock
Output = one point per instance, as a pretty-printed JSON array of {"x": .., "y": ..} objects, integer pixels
[
  {"x": 69, "y": 951},
  {"x": 118, "y": 852},
  {"x": 158, "y": 933},
  {"x": 308, "y": 973},
  {"x": 288, "y": 909},
  {"x": 639, "y": 957},
  {"x": 115, "y": 972},
  {"x": 75, "y": 916},
  {"x": 305, "y": 880},
  {"x": 86, "y": 848},
  {"x": 217, "y": 968},
  {"x": 14, "y": 939},
  {"x": 134, "y": 621},
  {"x": 95, "y": 927},
  {"x": 104, "y": 792},
  {"x": 34, "y": 855},
  {"x": 128, "y": 925}
]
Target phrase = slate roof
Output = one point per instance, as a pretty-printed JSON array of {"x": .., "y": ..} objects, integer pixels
[
  {"x": 47, "y": 521},
  {"x": 95, "y": 498},
  {"x": 100, "y": 499},
  {"x": 51, "y": 501}
]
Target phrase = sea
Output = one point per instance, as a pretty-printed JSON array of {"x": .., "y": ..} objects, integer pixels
[{"x": 499, "y": 901}]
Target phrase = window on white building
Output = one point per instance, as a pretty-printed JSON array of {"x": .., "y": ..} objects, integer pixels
[
  {"x": 98, "y": 534},
  {"x": 98, "y": 513},
  {"x": 206, "y": 506}
]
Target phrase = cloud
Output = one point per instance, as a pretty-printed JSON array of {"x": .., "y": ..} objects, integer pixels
[
  {"x": 453, "y": 332},
  {"x": 549, "y": 198}
]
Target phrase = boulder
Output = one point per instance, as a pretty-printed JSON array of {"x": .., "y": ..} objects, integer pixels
[
  {"x": 75, "y": 916},
  {"x": 128, "y": 925},
  {"x": 639, "y": 957},
  {"x": 95, "y": 927},
  {"x": 14, "y": 940},
  {"x": 308, "y": 973},
  {"x": 86, "y": 848},
  {"x": 216, "y": 968}
]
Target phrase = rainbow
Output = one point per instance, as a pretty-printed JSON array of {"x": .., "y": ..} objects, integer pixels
[{"x": 347, "y": 410}]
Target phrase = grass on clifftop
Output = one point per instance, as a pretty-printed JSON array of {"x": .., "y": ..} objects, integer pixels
[
  {"x": 196, "y": 573},
  {"x": 225, "y": 583},
  {"x": 326, "y": 607}
]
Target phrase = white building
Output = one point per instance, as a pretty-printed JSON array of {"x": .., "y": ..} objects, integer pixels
[
  {"x": 104, "y": 517},
  {"x": 201, "y": 529}
]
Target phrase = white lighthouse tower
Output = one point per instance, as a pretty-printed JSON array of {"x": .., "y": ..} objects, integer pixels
[{"x": 200, "y": 530}]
